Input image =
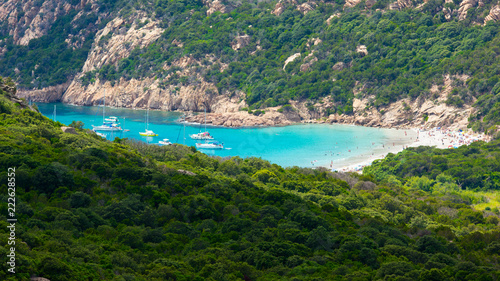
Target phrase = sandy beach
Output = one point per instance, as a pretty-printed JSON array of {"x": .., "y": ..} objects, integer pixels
[{"x": 437, "y": 137}]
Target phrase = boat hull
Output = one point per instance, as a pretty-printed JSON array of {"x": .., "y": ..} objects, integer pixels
[
  {"x": 208, "y": 146},
  {"x": 107, "y": 128}
]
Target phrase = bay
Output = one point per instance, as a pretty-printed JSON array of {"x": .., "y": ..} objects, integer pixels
[{"x": 303, "y": 145}]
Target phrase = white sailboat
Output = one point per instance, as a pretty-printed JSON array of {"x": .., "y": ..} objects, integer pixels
[
  {"x": 148, "y": 133},
  {"x": 202, "y": 135},
  {"x": 109, "y": 126}
]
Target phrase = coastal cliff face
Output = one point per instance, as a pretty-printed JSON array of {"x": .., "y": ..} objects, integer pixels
[
  {"x": 115, "y": 41},
  {"x": 406, "y": 113},
  {"x": 149, "y": 93},
  {"x": 47, "y": 94},
  {"x": 434, "y": 112}
]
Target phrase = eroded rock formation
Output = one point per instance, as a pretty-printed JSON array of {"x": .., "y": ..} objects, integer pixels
[
  {"x": 494, "y": 14},
  {"x": 116, "y": 41},
  {"x": 34, "y": 18}
]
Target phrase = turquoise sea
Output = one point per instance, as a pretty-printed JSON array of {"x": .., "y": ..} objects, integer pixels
[{"x": 303, "y": 145}]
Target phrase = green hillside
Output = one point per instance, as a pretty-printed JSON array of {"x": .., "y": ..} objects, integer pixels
[
  {"x": 90, "y": 209},
  {"x": 408, "y": 52}
]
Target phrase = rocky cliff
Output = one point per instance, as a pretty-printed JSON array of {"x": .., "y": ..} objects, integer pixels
[
  {"x": 148, "y": 92},
  {"x": 494, "y": 14},
  {"x": 406, "y": 113},
  {"x": 47, "y": 94}
]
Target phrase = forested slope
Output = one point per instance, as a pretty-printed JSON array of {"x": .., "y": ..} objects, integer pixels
[
  {"x": 377, "y": 50},
  {"x": 90, "y": 209}
]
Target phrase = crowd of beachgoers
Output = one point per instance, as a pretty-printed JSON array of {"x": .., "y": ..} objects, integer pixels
[{"x": 438, "y": 137}]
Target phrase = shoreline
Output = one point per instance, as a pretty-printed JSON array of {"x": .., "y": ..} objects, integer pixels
[{"x": 437, "y": 137}]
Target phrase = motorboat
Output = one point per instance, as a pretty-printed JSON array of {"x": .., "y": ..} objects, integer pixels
[
  {"x": 112, "y": 119},
  {"x": 165, "y": 142},
  {"x": 100, "y": 134},
  {"x": 210, "y": 145},
  {"x": 107, "y": 126},
  {"x": 202, "y": 136}
]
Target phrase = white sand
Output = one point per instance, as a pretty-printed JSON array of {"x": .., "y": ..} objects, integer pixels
[{"x": 440, "y": 138}]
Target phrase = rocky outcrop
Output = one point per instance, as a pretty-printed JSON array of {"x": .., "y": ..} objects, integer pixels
[
  {"x": 242, "y": 119},
  {"x": 338, "y": 66},
  {"x": 447, "y": 13},
  {"x": 240, "y": 42},
  {"x": 116, "y": 41},
  {"x": 69, "y": 130},
  {"x": 47, "y": 94},
  {"x": 361, "y": 49},
  {"x": 351, "y": 3},
  {"x": 369, "y": 3},
  {"x": 494, "y": 14},
  {"x": 401, "y": 5},
  {"x": 214, "y": 6},
  {"x": 313, "y": 41},
  {"x": 290, "y": 59},
  {"x": 329, "y": 20},
  {"x": 28, "y": 20},
  {"x": 7, "y": 87},
  {"x": 308, "y": 62},
  {"x": 280, "y": 7},
  {"x": 306, "y": 7},
  {"x": 465, "y": 5}
]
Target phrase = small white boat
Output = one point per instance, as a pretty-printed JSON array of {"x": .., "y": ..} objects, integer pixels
[
  {"x": 202, "y": 136},
  {"x": 100, "y": 134},
  {"x": 107, "y": 126},
  {"x": 112, "y": 119},
  {"x": 210, "y": 145},
  {"x": 148, "y": 133},
  {"x": 165, "y": 142}
]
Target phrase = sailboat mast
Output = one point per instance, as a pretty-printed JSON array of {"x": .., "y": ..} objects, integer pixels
[
  {"x": 205, "y": 119},
  {"x": 103, "y": 106},
  {"x": 184, "y": 141},
  {"x": 55, "y": 113}
]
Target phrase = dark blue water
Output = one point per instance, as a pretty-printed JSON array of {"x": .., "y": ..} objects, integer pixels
[{"x": 304, "y": 145}]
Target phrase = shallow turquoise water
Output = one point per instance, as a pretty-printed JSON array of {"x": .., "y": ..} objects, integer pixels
[{"x": 304, "y": 145}]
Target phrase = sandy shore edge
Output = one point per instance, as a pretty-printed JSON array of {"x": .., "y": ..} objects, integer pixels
[{"x": 437, "y": 137}]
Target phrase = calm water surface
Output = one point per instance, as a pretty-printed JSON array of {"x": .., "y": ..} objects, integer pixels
[{"x": 304, "y": 145}]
